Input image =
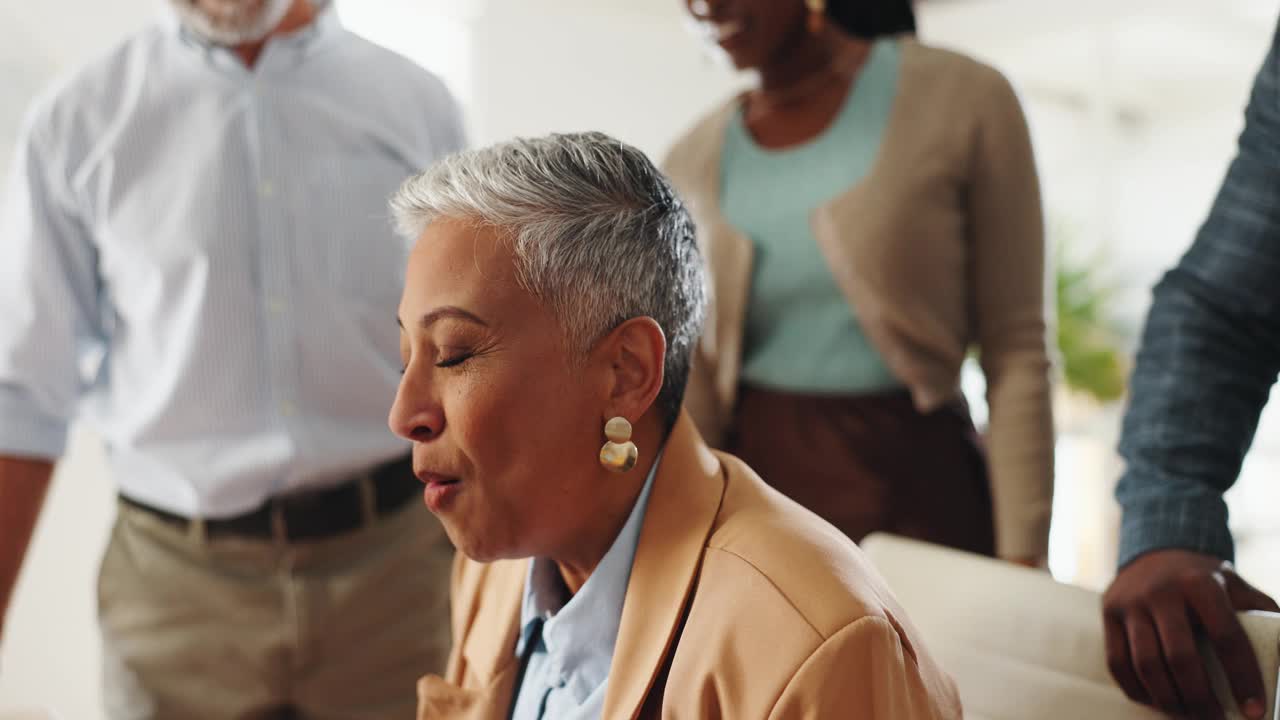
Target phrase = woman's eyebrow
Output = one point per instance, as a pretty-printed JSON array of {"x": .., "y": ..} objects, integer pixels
[{"x": 441, "y": 313}]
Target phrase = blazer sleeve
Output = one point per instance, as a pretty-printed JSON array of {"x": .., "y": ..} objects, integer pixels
[
  {"x": 1010, "y": 304},
  {"x": 864, "y": 671}
]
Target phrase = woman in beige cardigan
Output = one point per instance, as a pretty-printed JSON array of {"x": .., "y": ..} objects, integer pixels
[{"x": 870, "y": 212}]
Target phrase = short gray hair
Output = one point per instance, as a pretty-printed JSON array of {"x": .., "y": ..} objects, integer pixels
[{"x": 598, "y": 234}]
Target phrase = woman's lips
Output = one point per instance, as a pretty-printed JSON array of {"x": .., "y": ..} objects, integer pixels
[
  {"x": 433, "y": 478},
  {"x": 440, "y": 489}
]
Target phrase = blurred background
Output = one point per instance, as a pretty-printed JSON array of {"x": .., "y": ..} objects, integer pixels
[{"x": 1134, "y": 108}]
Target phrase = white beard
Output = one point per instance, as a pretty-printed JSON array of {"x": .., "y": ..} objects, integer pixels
[{"x": 234, "y": 22}]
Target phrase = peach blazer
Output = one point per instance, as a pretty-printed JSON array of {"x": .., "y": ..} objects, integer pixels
[{"x": 741, "y": 605}]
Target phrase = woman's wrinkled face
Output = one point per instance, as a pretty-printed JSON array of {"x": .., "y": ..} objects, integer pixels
[
  {"x": 751, "y": 32},
  {"x": 505, "y": 425}
]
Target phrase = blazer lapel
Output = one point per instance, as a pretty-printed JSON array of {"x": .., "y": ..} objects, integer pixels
[
  {"x": 488, "y": 667},
  {"x": 682, "y": 510}
]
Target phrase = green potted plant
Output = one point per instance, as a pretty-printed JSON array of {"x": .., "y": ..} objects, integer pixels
[{"x": 1091, "y": 361}]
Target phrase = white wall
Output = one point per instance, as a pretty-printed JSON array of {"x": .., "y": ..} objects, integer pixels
[{"x": 627, "y": 68}]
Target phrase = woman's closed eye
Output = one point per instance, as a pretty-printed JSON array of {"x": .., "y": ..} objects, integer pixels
[{"x": 454, "y": 360}]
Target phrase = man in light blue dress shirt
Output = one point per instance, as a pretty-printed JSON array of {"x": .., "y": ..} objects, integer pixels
[{"x": 196, "y": 259}]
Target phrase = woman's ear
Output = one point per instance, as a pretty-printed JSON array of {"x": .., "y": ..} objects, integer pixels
[{"x": 634, "y": 355}]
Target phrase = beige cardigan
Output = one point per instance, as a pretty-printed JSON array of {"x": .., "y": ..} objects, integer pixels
[
  {"x": 939, "y": 248},
  {"x": 741, "y": 604}
]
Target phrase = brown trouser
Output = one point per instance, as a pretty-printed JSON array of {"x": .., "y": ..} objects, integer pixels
[
  {"x": 868, "y": 463},
  {"x": 234, "y": 628}
]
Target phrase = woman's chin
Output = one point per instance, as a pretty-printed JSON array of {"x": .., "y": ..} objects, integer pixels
[{"x": 474, "y": 547}]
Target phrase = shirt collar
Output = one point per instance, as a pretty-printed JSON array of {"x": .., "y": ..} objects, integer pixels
[
  {"x": 299, "y": 43},
  {"x": 582, "y": 632}
]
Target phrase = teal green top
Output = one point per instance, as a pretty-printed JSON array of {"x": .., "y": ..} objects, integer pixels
[{"x": 801, "y": 334}]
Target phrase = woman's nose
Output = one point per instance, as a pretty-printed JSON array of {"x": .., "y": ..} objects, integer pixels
[{"x": 415, "y": 414}]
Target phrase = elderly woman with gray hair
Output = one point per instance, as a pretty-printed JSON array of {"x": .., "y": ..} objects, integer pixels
[{"x": 610, "y": 564}]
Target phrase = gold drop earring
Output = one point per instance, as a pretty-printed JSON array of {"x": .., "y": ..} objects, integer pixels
[{"x": 619, "y": 454}]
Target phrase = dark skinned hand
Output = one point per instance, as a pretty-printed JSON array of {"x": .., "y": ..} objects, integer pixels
[{"x": 1153, "y": 612}]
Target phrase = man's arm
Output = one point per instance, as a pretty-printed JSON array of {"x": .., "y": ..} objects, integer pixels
[
  {"x": 49, "y": 313},
  {"x": 1210, "y": 354},
  {"x": 24, "y": 483}
]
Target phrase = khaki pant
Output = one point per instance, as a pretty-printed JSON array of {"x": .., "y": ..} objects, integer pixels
[{"x": 234, "y": 628}]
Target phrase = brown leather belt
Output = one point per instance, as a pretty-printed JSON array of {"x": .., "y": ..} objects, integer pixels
[{"x": 314, "y": 514}]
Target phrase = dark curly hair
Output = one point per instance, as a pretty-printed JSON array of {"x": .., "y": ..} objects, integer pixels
[{"x": 873, "y": 18}]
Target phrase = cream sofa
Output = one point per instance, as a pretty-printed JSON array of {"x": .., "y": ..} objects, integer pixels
[{"x": 1021, "y": 645}]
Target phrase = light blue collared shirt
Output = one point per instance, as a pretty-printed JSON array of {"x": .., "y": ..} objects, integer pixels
[
  {"x": 220, "y": 236},
  {"x": 568, "y": 671}
]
